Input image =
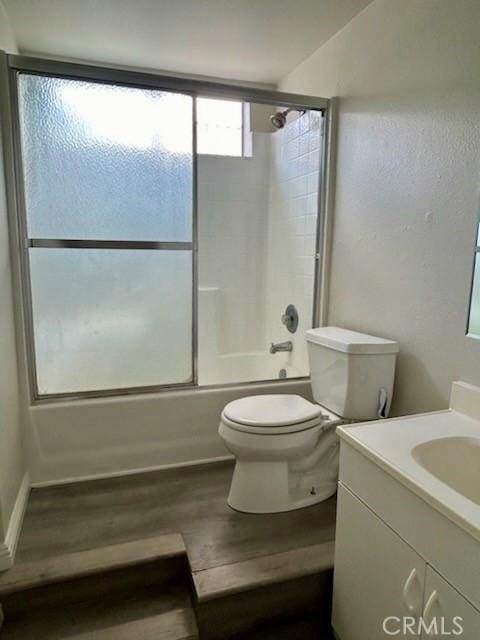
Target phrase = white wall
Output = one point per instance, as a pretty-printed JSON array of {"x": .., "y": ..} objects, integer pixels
[
  {"x": 407, "y": 194},
  {"x": 12, "y": 466}
]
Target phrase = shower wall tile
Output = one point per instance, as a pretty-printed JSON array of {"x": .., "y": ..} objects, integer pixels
[
  {"x": 257, "y": 232},
  {"x": 310, "y": 224},
  {"x": 292, "y": 222}
]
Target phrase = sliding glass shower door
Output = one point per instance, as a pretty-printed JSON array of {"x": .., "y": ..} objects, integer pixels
[{"x": 108, "y": 175}]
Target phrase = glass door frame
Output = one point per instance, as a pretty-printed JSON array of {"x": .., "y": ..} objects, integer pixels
[
  {"x": 12, "y": 65},
  {"x": 28, "y": 242}
]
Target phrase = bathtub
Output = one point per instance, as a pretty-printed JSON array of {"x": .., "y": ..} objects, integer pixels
[
  {"x": 216, "y": 365},
  {"x": 70, "y": 440},
  {"x": 103, "y": 437},
  {"x": 246, "y": 367}
]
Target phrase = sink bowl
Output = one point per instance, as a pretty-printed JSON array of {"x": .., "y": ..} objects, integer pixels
[{"x": 455, "y": 461}]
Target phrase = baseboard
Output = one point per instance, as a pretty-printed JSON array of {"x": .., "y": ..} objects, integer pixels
[
  {"x": 8, "y": 547},
  {"x": 130, "y": 472}
]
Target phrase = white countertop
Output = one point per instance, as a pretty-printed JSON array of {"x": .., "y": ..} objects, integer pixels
[{"x": 389, "y": 443}]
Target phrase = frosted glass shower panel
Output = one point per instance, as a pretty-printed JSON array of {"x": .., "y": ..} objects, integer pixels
[
  {"x": 106, "y": 162},
  {"x": 111, "y": 319},
  {"x": 474, "y": 320}
]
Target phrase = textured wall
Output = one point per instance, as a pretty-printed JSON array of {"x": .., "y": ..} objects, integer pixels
[
  {"x": 11, "y": 458},
  {"x": 407, "y": 194}
]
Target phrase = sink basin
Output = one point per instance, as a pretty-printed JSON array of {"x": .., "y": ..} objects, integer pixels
[
  {"x": 435, "y": 455},
  {"x": 455, "y": 461}
]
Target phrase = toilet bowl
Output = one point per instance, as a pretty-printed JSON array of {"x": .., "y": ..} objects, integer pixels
[{"x": 286, "y": 448}]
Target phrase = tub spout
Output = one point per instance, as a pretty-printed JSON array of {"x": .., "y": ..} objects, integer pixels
[{"x": 281, "y": 346}]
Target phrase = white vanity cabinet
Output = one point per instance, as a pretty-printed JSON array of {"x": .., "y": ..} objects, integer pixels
[
  {"x": 378, "y": 577},
  {"x": 443, "y": 602},
  {"x": 381, "y": 584},
  {"x": 408, "y": 525}
]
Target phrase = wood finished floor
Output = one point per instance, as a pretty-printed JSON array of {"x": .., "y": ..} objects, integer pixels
[
  {"x": 154, "y": 612},
  {"x": 191, "y": 501}
]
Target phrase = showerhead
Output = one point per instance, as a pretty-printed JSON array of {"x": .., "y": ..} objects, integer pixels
[{"x": 279, "y": 119}]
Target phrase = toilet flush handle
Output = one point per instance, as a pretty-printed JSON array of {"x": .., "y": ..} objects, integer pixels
[{"x": 382, "y": 403}]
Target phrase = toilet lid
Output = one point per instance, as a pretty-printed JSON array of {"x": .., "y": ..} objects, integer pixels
[{"x": 273, "y": 410}]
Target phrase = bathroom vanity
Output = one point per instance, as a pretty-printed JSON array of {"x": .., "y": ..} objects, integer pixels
[{"x": 407, "y": 559}]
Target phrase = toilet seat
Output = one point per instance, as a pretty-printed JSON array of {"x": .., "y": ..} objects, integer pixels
[
  {"x": 273, "y": 414},
  {"x": 270, "y": 431}
]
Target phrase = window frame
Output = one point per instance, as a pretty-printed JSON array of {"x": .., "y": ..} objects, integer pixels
[
  {"x": 11, "y": 66},
  {"x": 243, "y": 131},
  {"x": 62, "y": 243}
]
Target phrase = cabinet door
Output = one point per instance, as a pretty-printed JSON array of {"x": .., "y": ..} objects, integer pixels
[
  {"x": 446, "y": 612},
  {"x": 378, "y": 578}
]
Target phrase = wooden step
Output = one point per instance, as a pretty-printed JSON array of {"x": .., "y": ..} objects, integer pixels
[
  {"x": 153, "y": 614},
  {"x": 110, "y": 574},
  {"x": 304, "y": 627},
  {"x": 234, "y": 578},
  {"x": 238, "y": 597},
  {"x": 174, "y": 625},
  {"x": 54, "y": 569}
]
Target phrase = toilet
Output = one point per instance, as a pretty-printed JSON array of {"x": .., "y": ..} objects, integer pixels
[{"x": 286, "y": 448}]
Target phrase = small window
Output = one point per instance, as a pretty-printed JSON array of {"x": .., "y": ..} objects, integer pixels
[{"x": 220, "y": 129}]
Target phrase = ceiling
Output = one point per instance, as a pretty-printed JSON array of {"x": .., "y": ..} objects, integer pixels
[{"x": 250, "y": 40}]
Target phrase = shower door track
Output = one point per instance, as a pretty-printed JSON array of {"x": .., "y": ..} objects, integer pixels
[
  {"x": 55, "y": 243},
  {"x": 10, "y": 67}
]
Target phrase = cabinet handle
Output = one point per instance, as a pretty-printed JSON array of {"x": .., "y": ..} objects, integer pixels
[
  {"x": 428, "y": 608},
  {"x": 406, "y": 590}
]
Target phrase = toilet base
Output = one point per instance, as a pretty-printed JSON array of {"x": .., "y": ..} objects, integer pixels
[{"x": 269, "y": 487}]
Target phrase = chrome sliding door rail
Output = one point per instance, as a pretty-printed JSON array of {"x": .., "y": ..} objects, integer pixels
[
  {"x": 55, "y": 243},
  {"x": 185, "y": 84}
]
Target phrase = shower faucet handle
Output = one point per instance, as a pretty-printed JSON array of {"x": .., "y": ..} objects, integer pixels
[{"x": 290, "y": 318}]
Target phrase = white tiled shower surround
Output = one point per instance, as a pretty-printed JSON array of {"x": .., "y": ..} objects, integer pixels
[
  {"x": 257, "y": 227},
  {"x": 292, "y": 220}
]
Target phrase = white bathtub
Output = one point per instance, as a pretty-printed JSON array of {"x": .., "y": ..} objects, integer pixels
[
  {"x": 246, "y": 367},
  {"x": 101, "y": 437},
  {"x": 216, "y": 366}
]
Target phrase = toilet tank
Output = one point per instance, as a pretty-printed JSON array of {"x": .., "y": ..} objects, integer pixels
[{"x": 351, "y": 373}]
